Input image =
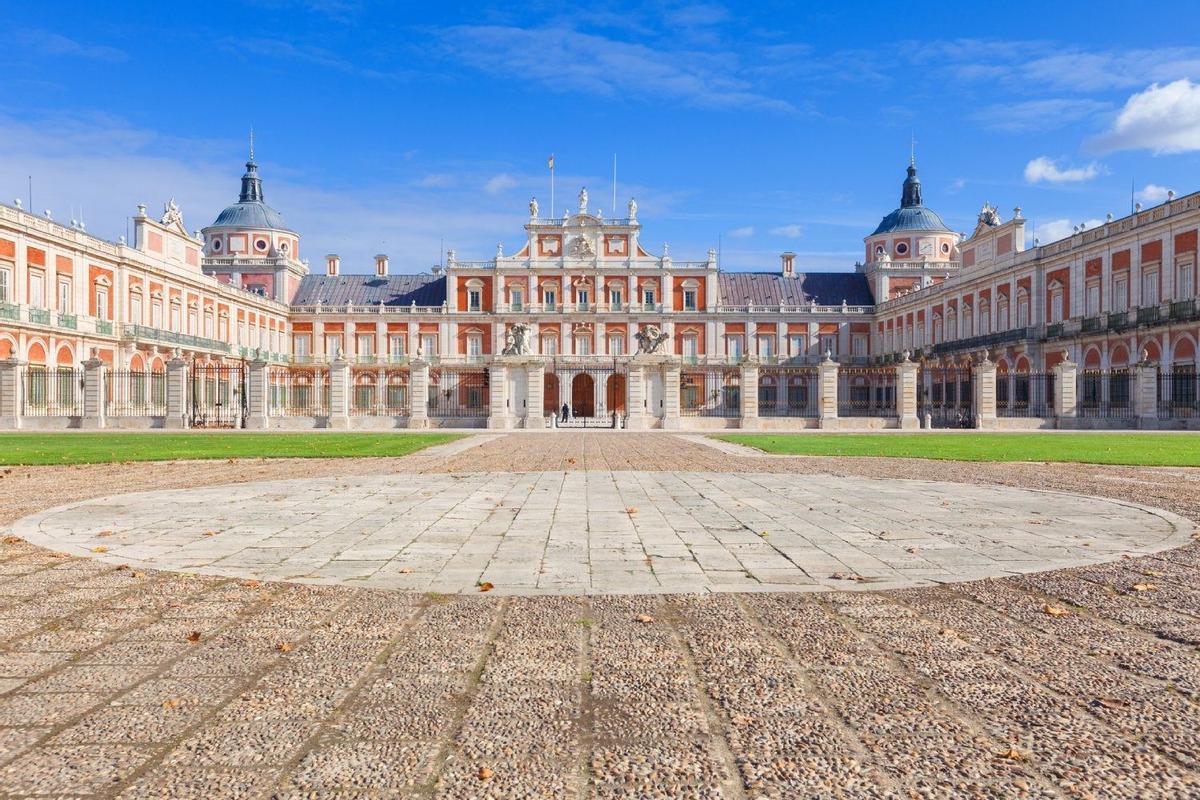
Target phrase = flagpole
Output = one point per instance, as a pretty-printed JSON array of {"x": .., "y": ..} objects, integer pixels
[{"x": 552, "y": 213}]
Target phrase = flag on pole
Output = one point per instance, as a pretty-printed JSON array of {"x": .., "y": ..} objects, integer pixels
[{"x": 550, "y": 162}]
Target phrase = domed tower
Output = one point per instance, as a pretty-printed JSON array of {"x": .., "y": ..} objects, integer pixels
[
  {"x": 912, "y": 247},
  {"x": 250, "y": 246}
]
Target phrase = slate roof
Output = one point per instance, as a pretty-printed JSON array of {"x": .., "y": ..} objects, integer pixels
[
  {"x": 369, "y": 290},
  {"x": 916, "y": 218},
  {"x": 772, "y": 289},
  {"x": 254, "y": 214}
]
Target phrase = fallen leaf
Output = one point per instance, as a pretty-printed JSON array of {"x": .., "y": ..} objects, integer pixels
[
  {"x": 1055, "y": 611},
  {"x": 1013, "y": 754},
  {"x": 764, "y": 534},
  {"x": 1145, "y": 587},
  {"x": 100, "y": 549},
  {"x": 122, "y": 567},
  {"x": 910, "y": 549},
  {"x": 136, "y": 574},
  {"x": 1152, "y": 573},
  {"x": 948, "y": 632},
  {"x": 485, "y": 774},
  {"x": 645, "y": 619},
  {"x": 486, "y": 586},
  {"x": 105, "y": 533},
  {"x": 173, "y": 702},
  {"x": 12, "y": 539},
  {"x": 284, "y": 647},
  {"x": 210, "y": 533},
  {"x": 405, "y": 570},
  {"x": 251, "y": 584},
  {"x": 631, "y": 510},
  {"x": 570, "y": 461},
  {"x": 194, "y": 636}
]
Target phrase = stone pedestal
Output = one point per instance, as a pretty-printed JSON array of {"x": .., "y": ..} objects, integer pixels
[
  {"x": 535, "y": 395},
  {"x": 499, "y": 416},
  {"x": 418, "y": 377},
  {"x": 258, "y": 395},
  {"x": 177, "y": 394},
  {"x": 827, "y": 393},
  {"x": 636, "y": 386},
  {"x": 1145, "y": 394},
  {"x": 907, "y": 374},
  {"x": 1065, "y": 374},
  {"x": 11, "y": 393},
  {"x": 983, "y": 385},
  {"x": 339, "y": 394},
  {"x": 672, "y": 374},
  {"x": 750, "y": 419},
  {"x": 94, "y": 394}
]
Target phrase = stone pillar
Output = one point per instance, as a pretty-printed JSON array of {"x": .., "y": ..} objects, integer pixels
[
  {"x": 983, "y": 385},
  {"x": 535, "y": 395},
  {"x": 499, "y": 415},
  {"x": 339, "y": 393},
  {"x": 177, "y": 393},
  {"x": 1145, "y": 392},
  {"x": 94, "y": 377},
  {"x": 418, "y": 394},
  {"x": 258, "y": 395},
  {"x": 750, "y": 419},
  {"x": 11, "y": 393},
  {"x": 1065, "y": 375},
  {"x": 636, "y": 387},
  {"x": 671, "y": 379},
  {"x": 827, "y": 392},
  {"x": 907, "y": 373}
]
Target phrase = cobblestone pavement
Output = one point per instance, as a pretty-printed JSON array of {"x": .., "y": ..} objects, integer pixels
[
  {"x": 630, "y": 532},
  {"x": 131, "y": 683}
]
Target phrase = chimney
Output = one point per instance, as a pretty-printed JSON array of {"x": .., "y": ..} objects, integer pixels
[
  {"x": 381, "y": 265},
  {"x": 332, "y": 264},
  {"x": 788, "y": 260}
]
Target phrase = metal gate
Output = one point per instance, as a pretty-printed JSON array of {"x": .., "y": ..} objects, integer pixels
[
  {"x": 216, "y": 396},
  {"x": 946, "y": 397},
  {"x": 591, "y": 394}
]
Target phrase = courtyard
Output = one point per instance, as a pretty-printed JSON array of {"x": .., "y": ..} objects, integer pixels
[{"x": 597, "y": 614}]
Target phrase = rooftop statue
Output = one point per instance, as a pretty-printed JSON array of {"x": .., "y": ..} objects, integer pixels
[{"x": 583, "y": 198}]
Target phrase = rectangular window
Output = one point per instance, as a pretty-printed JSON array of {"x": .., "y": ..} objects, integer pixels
[
  {"x": 64, "y": 295},
  {"x": 516, "y": 299},
  {"x": 691, "y": 346},
  {"x": 135, "y": 309},
  {"x": 615, "y": 298},
  {"x": 397, "y": 345},
  {"x": 208, "y": 323},
  {"x": 549, "y": 299},
  {"x": 858, "y": 344},
  {"x": 364, "y": 344},
  {"x": 689, "y": 299},
  {"x": 429, "y": 344},
  {"x": 1120, "y": 299},
  {"x": 766, "y": 346},
  {"x": 474, "y": 300},
  {"x": 5, "y": 282},
  {"x": 550, "y": 346},
  {"x": 474, "y": 346},
  {"x": 301, "y": 343},
  {"x": 583, "y": 345},
  {"x": 37, "y": 288},
  {"x": 333, "y": 343},
  {"x": 733, "y": 346},
  {"x": 1184, "y": 285},
  {"x": 1093, "y": 299},
  {"x": 156, "y": 315},
  {"x": 616, "y": 345},
  {"x": 102, "y": 303},
  {"x": 174, "y": 317},
  {"x": 223, "y": 329},
  {"x": 829, "y": 345},
  {"x": 1150, "y": 288},
  {"x": 1056, "y": 307},
  {"x": 582, "y": 298},
  {"x": 648, "y": 299},
  {"x": 796, "y": 345}
]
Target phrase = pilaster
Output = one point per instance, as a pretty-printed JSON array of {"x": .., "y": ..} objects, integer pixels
[
  {"x": 11, "y": 391},
  {"x": 94, "y": 377},
  {"x": 498, "y": 413},
  {"x": 418, "y": 377},
  {"x": 535, "y": 395},
  {"x": 636, "y": 386},
  {"x": 177, "y": 393},
  {"x": 258, "y": 397},
  {"x": 671, "y": 379},
  {"x": 983, "y": 384},
  {"x": 749, "y": 393},
  {"x": 906, "y": 393},
  {"x": 1145, "y": 392},
  {"x": 339, "y": 393},
  {"x": 1065, "y": 375},
  {"x": 827, "y": 392}
]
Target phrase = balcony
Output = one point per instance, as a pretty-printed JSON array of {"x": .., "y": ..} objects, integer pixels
[
  {"x": 104, "y": 327},
  {"x": 39, "y": 316},
  {"x": 68, "y": 321},
  {"x": 143, "y": 333},
  {"x": 1092, "y": 324},
  {"x": 987, "y": 341},
  {"x": 10, "y": 311},
  {"x": 1149, "y": 315},
  {"x": 1184, "y": 311}
]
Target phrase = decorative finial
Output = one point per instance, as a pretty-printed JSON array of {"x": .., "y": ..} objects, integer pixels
[
  {"x": 912, "y": 149},
  {"x": 251, "y": 142}
]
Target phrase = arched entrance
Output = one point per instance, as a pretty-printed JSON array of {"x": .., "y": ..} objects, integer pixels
[
  {"x": 615, "y": 395},
  {"x": 583, "y": 396},
  {"x": 550, "y": 394}
]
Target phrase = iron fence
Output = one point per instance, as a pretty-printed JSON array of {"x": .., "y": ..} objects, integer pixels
[
  {"x": 381, "y": 395},
  {"x": 946, "y": 395},
  {"x": 1025, "y": 394},
  {"x": 710, "y": 393},
  {"x": 1178, "y": 394},
  {"x": 458, "y": 393},
  {"x": 866, "y": 392},
  {"x": 787, "y": 392},
  {"x": 132, "y": 393},
  {"x": 54, "y": 392},
  {"x": 216, "y": 396},
  {"x": 1105, "y": 394},
  {"x": 299, "y": 393}
]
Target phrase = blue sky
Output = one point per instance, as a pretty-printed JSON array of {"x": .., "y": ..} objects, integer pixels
[{"x": 773, "y": 126}]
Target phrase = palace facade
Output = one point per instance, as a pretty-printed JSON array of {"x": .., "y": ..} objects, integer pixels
[{"x": 584, "y": 325}]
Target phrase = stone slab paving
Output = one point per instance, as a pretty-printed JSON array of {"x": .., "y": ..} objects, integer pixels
[
  {"x": 131, "y": 683},
  {"x": 605, "y": 532}
]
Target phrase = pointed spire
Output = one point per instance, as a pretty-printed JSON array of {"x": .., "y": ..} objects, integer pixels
[
  {"x": 912, "y": 148},
  {"x": 911, "y": 195},
  {"x": 251, "y": 183},
  {"x": 251, "y": 144}
]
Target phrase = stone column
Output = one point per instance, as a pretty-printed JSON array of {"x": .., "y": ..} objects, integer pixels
[
  {"x": 177, "y": 393},
  {"x": 671, "y": 379},
  {"x": 11, "y": 393},
  {"x": 339, "y": 393},
  {"x": 1145, "y": 392},
  {"x": 636, "y": 386},
  {"x": 418, "y": 394},
  {"x": 1065, "y": 375},
  {"x": 827, "y": 392},
  {"x": 535, "y": 395},
  {"x": 907, "y": 373},
  {"x": 94, "y": 377},
  {"x": 258, "y": 395},
  {"x": 498, "y": 412},
  {"x": 750, "y": 419},
  {"x": 983, "y": 384}
]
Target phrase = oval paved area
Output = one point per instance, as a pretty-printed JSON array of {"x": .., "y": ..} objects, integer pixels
[{"x": 606, "y": 532}]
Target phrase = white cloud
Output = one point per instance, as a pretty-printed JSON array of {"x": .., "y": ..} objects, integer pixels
[
  {"x": 436, "y": 180},
  {"x": 792, "y": 231},
  {"x": 743, "y": 232},
  {"x": 500, "y": 183},
  {"x": 1035, "y": 116},
  {"x": 1164, "y": 119},
  {"x": 1056, "y": 229},
  {"x": 53, "y": 44},
  {"x": 1152, "y": 194},
  {"x": 1045, "y": 169}
]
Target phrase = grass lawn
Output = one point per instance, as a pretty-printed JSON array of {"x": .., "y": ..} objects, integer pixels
[
  {"x": 103, "y": 447},
  {"x": 1148, "y": 449}
]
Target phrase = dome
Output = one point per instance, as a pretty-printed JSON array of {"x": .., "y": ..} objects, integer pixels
[
  {"x": 912, "y": 215},
  {"x": 251, "y": 211}
]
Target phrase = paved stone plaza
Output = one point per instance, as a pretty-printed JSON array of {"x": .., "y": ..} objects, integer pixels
[
  {"x": 605, "y": 532},
  {"x": 119, "y": 681}
]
